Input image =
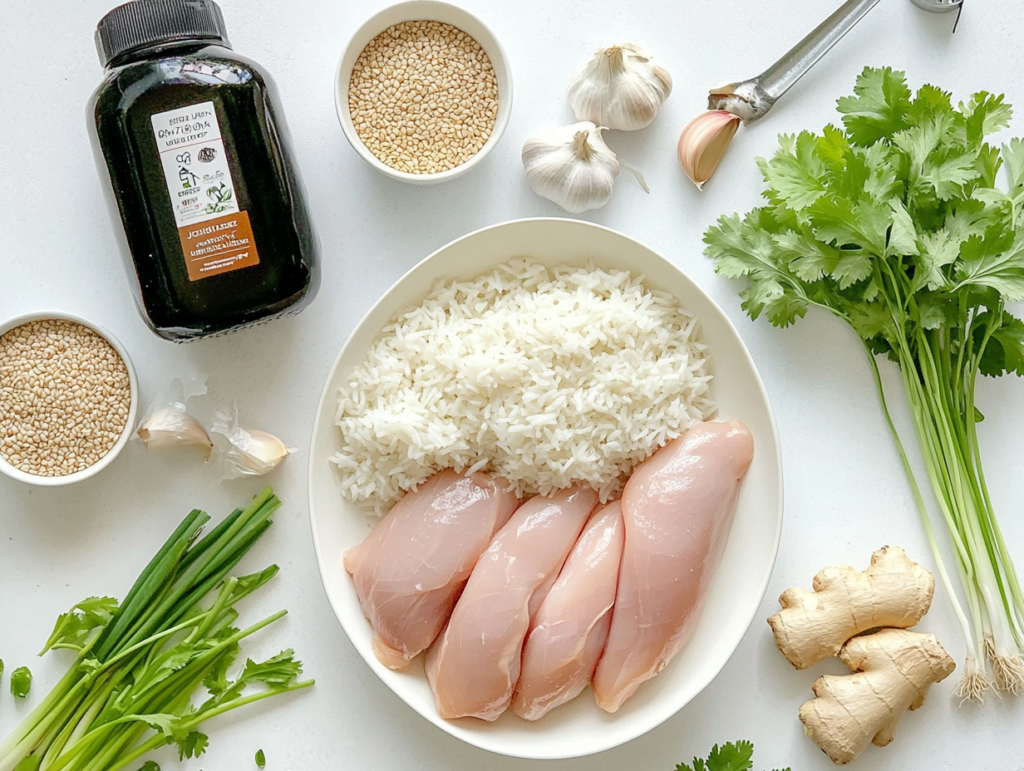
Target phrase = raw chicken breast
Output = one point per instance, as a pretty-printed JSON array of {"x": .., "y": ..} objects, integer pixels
[
  {"x": 409, "y": 571},
  {"x": 569, "y": 631},
  {"x": 474, "y": 665},
  {"x": 677, "y": 509}
]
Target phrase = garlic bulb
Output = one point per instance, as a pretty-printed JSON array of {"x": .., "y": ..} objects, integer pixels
[
  {"x": 620, "y": 88},
  {"x": 571, "y": 166},
  {"x": 703, "y": 143},
  {"x": 246, "y": 452},
  {"x": 170, "y": 427}
]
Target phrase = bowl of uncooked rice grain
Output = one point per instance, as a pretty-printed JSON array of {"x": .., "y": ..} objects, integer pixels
[
  {"x": 423, "y": 91},
  {"x": 68, "y": 397}
]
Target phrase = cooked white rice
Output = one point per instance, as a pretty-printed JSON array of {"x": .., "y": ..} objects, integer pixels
[{"x": 546, "y": 377}]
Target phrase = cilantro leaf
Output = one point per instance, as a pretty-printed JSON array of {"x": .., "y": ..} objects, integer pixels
[
  {"x": 970, "y": 218},
  {"x": 807, "y": 258},
  {"x": 996, "y": 261},
  {"x": 874, "y": 321},
  {"x": 192, "y": 745},
  {"x": 861, "y": 224},
  {"x": 74, "y": 628},
  {"x": 1013, "y": 155},
  {"x": 150, "y": 765},
  {"x": 920, "y": 141},
  {"x": 746, "y": 248},
  {"x": 1005, "y": 349},
  {"x": 216, "y": 680},
  {"x": 794, "y": 174},
  {"x": 176, "y": 730},
  {"x": 729, "y": 757},
  {"x": 21, "y": 682},
  {"x": 902, "y": 232},
  {"x": 881, "y": 183},
  {"x": 246, "y": 585},
  {"x": 928, "y": 102},
  {"x": 168, "y": 725},
  {"x": 947, "y": 171},
  {"x": 879, "y": 107},
  {"x": 277, "y": 672},
  {"x": 983, "y": 114}
]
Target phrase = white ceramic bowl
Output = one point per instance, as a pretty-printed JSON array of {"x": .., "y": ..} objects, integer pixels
[
  {"x": 133, "y": 383},
  {"x": 413, "y": 11},
  {"x": 578, "y": 728}
]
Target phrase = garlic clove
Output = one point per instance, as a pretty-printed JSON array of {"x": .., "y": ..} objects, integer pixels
[
  {"x": 169, "y": 428},
  {"x": 620, "y": 88},
  {"x": 259, "y": 452},
  {"x": 703, "y": 143},
  {"x": 571, "y": 166},
  {"x": 246, "y": 452}
]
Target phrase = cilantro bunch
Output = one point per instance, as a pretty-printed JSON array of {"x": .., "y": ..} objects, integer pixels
[
  {"x": 897, "y": 224},
  {"x": 141, "y": 662}
]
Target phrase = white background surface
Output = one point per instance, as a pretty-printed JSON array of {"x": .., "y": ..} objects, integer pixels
[{"x": 845, "y": 494}]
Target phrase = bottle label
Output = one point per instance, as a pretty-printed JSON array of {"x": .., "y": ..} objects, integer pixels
[{"x": 215, "y": 234}]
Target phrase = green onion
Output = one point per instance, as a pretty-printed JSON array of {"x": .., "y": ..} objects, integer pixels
[{"x": 141, "y": 662}]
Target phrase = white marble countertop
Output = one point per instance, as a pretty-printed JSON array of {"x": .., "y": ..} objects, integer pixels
[{"x": 845, "y": 492}]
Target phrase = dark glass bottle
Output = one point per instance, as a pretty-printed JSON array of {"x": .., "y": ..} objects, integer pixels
[{"x": 194, "y": 144}]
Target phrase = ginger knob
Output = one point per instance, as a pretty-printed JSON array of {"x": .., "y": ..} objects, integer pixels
[
  {"x": 894, "y": 669},
  {"x": 893, "y": 592}
]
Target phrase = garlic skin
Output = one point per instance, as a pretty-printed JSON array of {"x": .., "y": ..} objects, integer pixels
[
  {"x": 571, "y": 166},
  {"x": 171, "y": 427},
  {"x": 620, "y": 88},
  {"x": 746, "y": 99},
  {"x": 245, "y": 452},
  {"x": 703, "y": 143}
]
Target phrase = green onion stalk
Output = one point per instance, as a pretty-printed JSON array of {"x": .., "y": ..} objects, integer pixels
[{"x": 139, "y": 663}]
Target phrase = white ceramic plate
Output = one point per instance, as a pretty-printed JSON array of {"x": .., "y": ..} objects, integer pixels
[{"x": 578, "y": 728}]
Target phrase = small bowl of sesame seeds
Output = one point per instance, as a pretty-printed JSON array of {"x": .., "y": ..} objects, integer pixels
[
  {"x": 423, "y": 91},
  {"x": 68, "y": 398}
]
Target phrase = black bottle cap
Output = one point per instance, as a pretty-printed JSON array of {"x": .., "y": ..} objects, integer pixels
[{"x": 147, "y": 22}]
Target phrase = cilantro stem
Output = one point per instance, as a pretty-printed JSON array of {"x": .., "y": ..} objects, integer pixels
[{"x": 919, "y": 503}]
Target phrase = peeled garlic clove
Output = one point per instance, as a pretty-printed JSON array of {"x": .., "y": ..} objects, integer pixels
[
  {"x": 703, "y": 143},
  {"x": 571, "y": 166},
  {"x": 620, "y": 88},
  {"x": 170, "y": 427},
  {"x": 246, "y": 452}
]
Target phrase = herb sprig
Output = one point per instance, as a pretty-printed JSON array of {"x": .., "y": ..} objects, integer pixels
[
  {"x": 732, "y": 756},
  {"x": 140, "y": 663}
]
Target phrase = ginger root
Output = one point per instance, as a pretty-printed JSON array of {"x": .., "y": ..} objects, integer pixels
[
  {"x": 894, "y": 669},
  {"x": 893, "y": 592}
]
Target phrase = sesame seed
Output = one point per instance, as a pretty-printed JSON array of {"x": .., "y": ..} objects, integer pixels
[
  {"x": 412, "y": 85},
  {"x": 64, "y": 397}
]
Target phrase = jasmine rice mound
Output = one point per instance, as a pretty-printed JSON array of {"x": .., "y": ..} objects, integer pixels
[{"x": 544, "y": 377}]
